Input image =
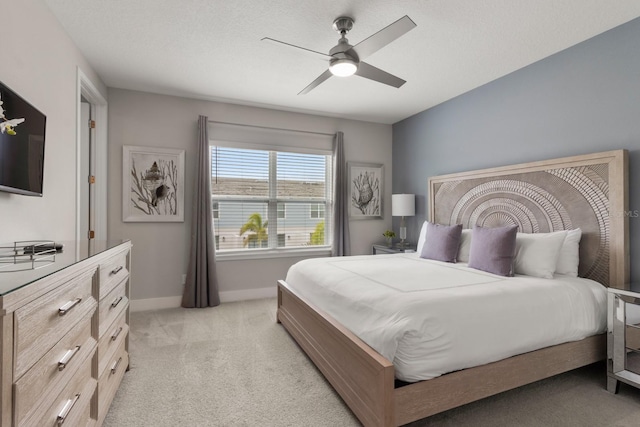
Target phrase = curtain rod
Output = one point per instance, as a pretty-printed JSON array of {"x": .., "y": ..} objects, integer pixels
[{"x": 271, "y": 128}]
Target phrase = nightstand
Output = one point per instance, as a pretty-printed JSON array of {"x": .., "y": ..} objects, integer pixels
[
  {"x": 384, "y": 249},
  {"x": 623, "y": 339}
]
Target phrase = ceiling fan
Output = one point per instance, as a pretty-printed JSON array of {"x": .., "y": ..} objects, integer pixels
[{"x": 346, "y": 60}]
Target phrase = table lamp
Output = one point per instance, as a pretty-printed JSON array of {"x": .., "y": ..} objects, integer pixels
[{"x": 403, "y": 205}]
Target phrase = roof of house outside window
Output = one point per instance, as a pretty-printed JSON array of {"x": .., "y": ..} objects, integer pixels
[{"x": 222, "y": 186}]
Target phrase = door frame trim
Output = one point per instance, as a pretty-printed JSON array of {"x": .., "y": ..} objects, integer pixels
[{"x": 86, "y": 89}]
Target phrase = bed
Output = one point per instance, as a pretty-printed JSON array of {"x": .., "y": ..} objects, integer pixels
[{"x": 587, "y": 192}]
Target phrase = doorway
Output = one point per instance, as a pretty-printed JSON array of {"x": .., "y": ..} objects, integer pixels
[{"x": 91, "y": 159}]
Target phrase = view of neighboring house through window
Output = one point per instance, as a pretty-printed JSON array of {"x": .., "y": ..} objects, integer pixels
[{"x": 268, "y": 199}]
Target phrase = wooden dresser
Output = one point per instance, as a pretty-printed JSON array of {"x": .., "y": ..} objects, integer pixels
[{"x": 64, "y": 336}]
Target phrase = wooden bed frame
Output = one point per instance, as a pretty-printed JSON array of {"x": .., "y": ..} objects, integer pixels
[{"x": 365, "y": 380}]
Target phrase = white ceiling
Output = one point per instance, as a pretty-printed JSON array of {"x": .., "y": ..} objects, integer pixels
[{"x": 211, "y": 49}]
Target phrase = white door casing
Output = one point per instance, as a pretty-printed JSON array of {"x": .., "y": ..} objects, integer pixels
[{"x": 87, "y": 90}]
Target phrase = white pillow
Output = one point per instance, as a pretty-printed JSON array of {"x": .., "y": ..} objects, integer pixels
[
  {"x": 465, "y": 245},
  {"x": 422, "y": 238},
  {"x": 537, "y": 253},
  {"x": 569, "y": 255}
]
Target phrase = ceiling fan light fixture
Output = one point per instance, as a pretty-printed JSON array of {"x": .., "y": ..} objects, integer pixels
[{"x": 343, "y": 67}]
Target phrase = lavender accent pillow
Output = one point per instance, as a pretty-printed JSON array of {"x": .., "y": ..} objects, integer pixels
[
  {"x": 442, "y": 242},
  {"x": 492, "y": 249}
]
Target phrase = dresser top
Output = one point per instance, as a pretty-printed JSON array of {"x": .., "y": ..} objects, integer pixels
[{"x": 14, "y": 276}]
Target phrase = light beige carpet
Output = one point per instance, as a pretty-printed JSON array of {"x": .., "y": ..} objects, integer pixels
[{"x": 232, "y": 365}]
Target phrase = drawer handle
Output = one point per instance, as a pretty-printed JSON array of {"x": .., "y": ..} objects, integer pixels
[
  {"x": 116, "y": 302},
  {"x": 68, "y": 306},
  {"x": 62, "y": 416},
  {"x": 115, "y": 271},
  {"x": 67, "y": 358},
  {"x": 115, "y": 335},
  {"x": 114, "y": 368}
]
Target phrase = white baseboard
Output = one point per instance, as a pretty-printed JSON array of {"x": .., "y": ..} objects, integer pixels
[
  {"x": 226, "y": 296},
  {"x": 154, "y": 303},
  {"x": 247, "y": 294}
]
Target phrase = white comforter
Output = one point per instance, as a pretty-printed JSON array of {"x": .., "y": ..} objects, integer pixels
[{"x": 430, "y": 317}]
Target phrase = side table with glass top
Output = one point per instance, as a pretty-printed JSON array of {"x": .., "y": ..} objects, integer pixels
[{"x": 623, "y": 339}]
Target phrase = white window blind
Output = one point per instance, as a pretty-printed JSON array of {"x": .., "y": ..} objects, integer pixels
[{"x": 258, "y": 137}]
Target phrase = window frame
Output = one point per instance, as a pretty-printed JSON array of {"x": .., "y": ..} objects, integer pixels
[
  {"x": 318, "y": 211},
  {"x": 273, "y": 251},
  {"x": 215, "y": 211},
  {"x": 284, "y": 210}
]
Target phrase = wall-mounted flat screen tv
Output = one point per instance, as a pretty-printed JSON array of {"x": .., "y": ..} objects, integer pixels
[{"x": 22, "y": 132}]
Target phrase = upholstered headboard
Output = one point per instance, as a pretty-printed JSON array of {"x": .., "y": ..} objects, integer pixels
[{"x": 587, "y": 192}]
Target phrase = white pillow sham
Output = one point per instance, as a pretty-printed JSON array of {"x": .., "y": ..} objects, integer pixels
[
  {"x": 537, "y": 253},
  {"x": 569, "y": 255},
  {"x": 422, "y": 238},
  {"x": 465, "y": 245}
]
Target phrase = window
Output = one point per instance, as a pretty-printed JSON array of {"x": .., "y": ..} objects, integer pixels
[
  {"x": 317, "y": 211},
  {"x": 264, "y": 197},
  {"x": 216, "y": 210},
  {"x": 257, "y": 244}
]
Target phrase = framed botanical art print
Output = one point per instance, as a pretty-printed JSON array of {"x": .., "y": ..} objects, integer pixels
[
  {"x": 365, "y": 190},
  {"x": 152, "y": 184}
]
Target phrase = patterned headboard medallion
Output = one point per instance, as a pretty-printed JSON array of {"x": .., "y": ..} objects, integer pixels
[{"x": 587, "y": 192}]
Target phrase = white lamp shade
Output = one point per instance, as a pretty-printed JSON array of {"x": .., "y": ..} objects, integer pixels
[{"x": 403, "y": 204}]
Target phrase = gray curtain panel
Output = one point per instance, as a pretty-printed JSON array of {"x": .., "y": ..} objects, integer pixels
[
  {"x": 201, "y": 286},
  {"x": 341, "y": 242}
]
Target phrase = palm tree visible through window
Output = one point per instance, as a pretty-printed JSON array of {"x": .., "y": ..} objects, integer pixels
[
  {"x": 317, "y": 237},
  {"x": 258, "y": 231}
]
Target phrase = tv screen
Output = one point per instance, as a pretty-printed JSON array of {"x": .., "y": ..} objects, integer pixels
[{"x": 22, "y": 132}]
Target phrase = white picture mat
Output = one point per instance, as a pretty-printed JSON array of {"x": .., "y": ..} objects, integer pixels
[
  {"x": 366, "y": 190},
  {"x": 152, "y": 184}
]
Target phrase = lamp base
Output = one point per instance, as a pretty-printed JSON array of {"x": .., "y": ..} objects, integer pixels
[{"x": 403, "y": 234}]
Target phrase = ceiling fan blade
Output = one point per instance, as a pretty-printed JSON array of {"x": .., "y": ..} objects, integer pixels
[
  {"x": 383, "y": 37},
  {"x": 321, "y": 78},
  {"x": 370, "y": 72},
  {"x": 313, "y": 53}
]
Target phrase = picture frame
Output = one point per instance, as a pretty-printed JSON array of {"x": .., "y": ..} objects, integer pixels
[
  {"x": 366, "y": 190},
  {"x": 152, "y": 184}
]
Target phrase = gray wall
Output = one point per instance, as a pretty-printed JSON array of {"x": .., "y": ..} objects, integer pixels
[
  {"x": 40, "y": 63},
  {"x": 160, "y": 250},
  {"x": 581, "y": 100}
]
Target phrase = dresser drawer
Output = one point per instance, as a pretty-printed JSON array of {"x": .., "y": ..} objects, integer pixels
[
  {"x": 40, "y": 324},
  {"x": 80, "y": 413},
  {"x": 111, "y": 306},
  {"x": 74, "y": 400},
  {"x": 110, "y": 342},
  {"x": 112, "y": 272},
  {"x": 110, "y": 380},
  {"x": 57, "y": 366}
]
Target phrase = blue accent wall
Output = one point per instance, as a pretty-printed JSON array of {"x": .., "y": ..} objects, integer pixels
[{"x": 581, "y": 100}]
